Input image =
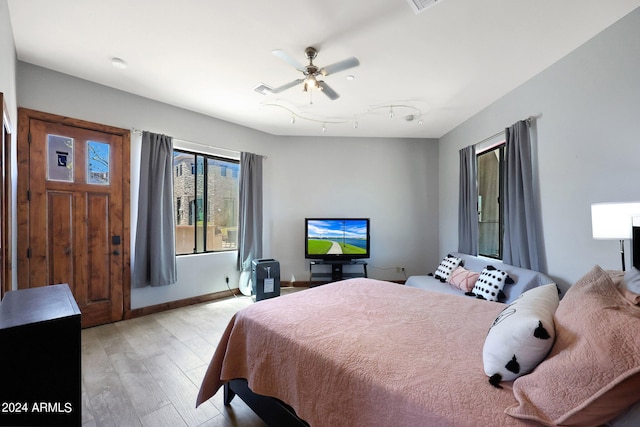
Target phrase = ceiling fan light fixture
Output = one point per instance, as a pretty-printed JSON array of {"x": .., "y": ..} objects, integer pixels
[
  {"x": 311, "y": 83},
  {"x": 311, "y": 72}
]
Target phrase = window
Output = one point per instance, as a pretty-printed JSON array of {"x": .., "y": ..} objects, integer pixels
[
  {"x": 490, "y": 224},
  {"x": 209, "y": 194}
]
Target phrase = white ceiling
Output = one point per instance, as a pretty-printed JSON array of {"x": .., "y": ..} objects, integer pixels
[{"x": 446, "y": 63}]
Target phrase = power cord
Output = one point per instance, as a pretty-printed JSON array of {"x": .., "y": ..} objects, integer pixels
[{"x": 226, "y": 279}]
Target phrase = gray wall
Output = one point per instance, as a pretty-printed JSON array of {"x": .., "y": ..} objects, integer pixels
[
  {"x": 392, "y": 181},
  {"x": 588, "y": 146}
]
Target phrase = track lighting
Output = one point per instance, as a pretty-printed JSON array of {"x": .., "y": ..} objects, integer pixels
[{"x": 415, "y": 114}]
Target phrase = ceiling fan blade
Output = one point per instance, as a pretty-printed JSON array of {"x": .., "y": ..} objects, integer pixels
[
  {"x": 288, "y": 59},
  {"x": 287, "y": 86},
  {"x": 340, "y": 66},
  {"x": 326, "y": 89}
]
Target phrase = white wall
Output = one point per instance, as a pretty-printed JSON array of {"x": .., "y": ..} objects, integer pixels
[
  {"x": 588, "y": 146},
  {"x": 392, "y": 181}
]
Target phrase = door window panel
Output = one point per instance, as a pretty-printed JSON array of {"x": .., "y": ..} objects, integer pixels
[
  {"x": 98, "y": 162},
  {"x": 59, "y": 158}
]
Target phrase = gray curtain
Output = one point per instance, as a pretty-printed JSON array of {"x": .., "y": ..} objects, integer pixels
[
  {"x": 468, "y": 202},
  {"x": 250, "y": 223},
  {"x": 155, "y": 256},
  {"x": 522, "y": 240}
]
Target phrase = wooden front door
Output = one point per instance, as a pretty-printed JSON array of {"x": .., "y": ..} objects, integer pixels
[{"x": 76, "y": 175}]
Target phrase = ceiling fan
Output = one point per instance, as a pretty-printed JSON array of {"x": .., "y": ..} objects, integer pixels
[{"x": 313, "y": 73}]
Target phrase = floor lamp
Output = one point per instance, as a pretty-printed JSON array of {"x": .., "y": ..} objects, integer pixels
[{"x": 612, "y": 221}]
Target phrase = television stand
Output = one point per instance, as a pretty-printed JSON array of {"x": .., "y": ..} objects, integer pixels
[{"x": 337, "y": 272}]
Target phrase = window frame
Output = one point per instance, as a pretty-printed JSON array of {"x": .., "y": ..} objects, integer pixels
[
  {"x": 193, "y": 171},
  {"x": 489, "y": 148}
]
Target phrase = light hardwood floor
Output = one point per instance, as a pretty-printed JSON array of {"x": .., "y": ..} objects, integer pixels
[{"x": 147, "y": 371}]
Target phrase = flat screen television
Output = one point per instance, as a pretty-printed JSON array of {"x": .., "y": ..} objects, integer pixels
[{"x": 338, "y": 239}]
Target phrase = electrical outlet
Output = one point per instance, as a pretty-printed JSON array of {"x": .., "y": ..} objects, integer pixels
[
  {"x": 226, "y": 278},
  {"x": 399, "y": 269}
]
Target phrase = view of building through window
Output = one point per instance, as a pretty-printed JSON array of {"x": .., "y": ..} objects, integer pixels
[
  {"x": 205, "y": 200},
  {"x": 490, "y": 223}
]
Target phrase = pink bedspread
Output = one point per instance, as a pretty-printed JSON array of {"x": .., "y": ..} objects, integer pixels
[{"x": 364, "y": 352}]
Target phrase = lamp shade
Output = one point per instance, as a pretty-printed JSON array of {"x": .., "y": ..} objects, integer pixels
[{"x": 613, "y": 220}]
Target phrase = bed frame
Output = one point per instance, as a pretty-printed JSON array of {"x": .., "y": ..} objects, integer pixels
[{"x": 271, "y": 410}]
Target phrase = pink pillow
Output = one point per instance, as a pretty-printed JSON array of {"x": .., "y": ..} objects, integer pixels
[
  {"x": 593, "y": 371},
  {"x": 463, "y": 279}
]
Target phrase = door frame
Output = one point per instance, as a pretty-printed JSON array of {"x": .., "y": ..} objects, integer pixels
[
  {"x": 6, "y": 202},
  {"x": 25, "y": 116}
]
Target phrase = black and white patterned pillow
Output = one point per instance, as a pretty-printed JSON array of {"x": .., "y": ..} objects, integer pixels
[
  {"x": 521, "y": 336},
  {"x": 447, "y": 265},
  {"x": 490, "y": 283}
]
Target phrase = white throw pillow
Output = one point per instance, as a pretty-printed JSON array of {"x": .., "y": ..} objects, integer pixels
[
  {"x": 490, "y": 283},
  {"x": 521, "y": 336},
  {"x": 447, "y": 265}
]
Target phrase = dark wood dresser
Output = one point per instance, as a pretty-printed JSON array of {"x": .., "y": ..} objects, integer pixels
[{"x": 40, "y": 359}]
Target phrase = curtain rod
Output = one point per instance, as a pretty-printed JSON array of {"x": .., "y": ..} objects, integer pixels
[
  {"x": 489, "y": 137},
  {"x": 201, "y": 144},
  {"x": 528, "y": 120}
]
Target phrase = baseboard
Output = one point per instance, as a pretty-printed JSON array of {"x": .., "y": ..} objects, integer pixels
[
  {"x": 144, "y": 311},
  {"x": 296, "y": 284},
  {"x": 307, "y": 284}
]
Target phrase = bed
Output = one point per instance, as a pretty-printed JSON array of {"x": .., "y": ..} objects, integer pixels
[{"x": 373, "y": 353}]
